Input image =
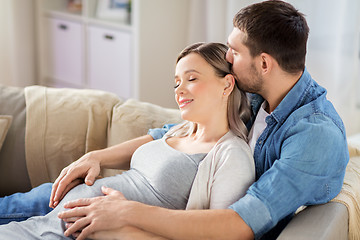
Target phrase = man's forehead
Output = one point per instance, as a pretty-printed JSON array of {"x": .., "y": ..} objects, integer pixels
[{"x": 235, "y": 38}]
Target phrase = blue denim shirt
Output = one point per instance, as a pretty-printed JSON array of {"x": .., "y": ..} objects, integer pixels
[{"x": 300, "y": 158}]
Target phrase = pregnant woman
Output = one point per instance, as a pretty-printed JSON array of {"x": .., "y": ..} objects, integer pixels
[{"x": 203, "y": 162}]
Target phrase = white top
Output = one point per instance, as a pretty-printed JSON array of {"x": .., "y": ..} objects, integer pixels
[{"x": 258, "y": 126}]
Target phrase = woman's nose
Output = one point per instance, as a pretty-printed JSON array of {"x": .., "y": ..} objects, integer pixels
[{"x": 180, "y": 89}]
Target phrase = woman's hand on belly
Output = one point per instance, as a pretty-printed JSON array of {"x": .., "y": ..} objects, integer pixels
[
  {"x": 89, "y": 215},
  {"x": 86, "y": 169}
]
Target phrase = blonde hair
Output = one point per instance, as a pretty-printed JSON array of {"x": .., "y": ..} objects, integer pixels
[{"x": 238, "y": 111}]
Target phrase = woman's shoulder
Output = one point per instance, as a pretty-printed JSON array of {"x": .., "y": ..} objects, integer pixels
[
  {"x": 232, "y": 146},
  {"x": 230, "y": 139},
  {"x": 234, "y": 154}
]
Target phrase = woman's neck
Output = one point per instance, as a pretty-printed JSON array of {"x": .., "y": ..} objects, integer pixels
[
  {"x": 210, "y": 133},
  {"x": 202, "y": 140}
]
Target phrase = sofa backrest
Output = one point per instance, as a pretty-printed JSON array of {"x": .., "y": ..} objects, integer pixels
[{"x": 64, "y": 124}]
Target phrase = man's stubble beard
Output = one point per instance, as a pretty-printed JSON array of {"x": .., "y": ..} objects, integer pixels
[{"x": 251, "y": 84}]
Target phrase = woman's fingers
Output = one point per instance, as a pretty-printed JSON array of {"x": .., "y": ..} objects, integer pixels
[
  {"x": 91, "y": 176},
  {"x": 70, "y": 186},
  {"x": 52, "y": 202},
  {"x": 60, "y": 184},
  {"x": 64, "y": 182},
  {"x": 87, "y": 168}
]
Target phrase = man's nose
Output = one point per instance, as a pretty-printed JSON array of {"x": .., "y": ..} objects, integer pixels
[{"x": 229, "y": 56}]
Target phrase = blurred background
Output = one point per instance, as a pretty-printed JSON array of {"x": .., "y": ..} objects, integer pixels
[{"x": 130, "y": 47}]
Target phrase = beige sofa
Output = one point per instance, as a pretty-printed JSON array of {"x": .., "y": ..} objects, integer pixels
[
  {"x": 42, "y": 130},
  {"x": 53, "y": 127}
]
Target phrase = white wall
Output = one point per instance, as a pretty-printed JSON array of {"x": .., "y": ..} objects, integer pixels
[
  {"x": 17, "y": 42},
  {"x": 333, "y": 57},
  {"x": 5, "y": 54}
]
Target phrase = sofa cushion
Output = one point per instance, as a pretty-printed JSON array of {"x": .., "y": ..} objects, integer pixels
[
  {"x": 62, "y": 125},
  {"x": 13, "y": 171},
  {"x": 134, "y": 118},
  {"x": 5, "y": 123}
]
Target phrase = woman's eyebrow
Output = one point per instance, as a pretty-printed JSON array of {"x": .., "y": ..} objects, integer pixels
[
  {"x": 192, "y": 70},
  {"x": 189, "y": 71}
]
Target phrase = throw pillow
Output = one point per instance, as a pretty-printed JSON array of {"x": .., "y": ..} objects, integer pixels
[{"x": 134, "y": 118}]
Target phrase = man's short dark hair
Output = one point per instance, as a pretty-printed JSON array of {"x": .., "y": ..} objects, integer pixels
[{"x": 277, "y": 28}]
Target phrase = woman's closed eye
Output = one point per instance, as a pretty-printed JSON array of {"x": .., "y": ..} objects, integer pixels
[{"x": 178, "y": 83}]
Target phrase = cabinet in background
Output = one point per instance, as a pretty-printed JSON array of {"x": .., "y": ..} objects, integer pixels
[
  {"x": 109, "y": 60},
  {"x": 65, "y": 58},
  {"x": 134, "y": 58}
]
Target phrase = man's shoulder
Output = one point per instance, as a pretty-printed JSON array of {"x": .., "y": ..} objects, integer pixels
[{"x": 319, "y": 111}]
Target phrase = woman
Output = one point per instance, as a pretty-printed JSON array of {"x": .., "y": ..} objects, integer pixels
[{"x": 204, "y": 162}]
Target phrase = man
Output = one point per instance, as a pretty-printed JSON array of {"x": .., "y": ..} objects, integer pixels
[{"x": 297, "y": 138}]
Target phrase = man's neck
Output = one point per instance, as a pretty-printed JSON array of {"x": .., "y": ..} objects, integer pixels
[{"x": 278, "y": 87}]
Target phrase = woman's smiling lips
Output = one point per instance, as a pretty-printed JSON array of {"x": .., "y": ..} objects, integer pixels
[{"x": 184, "y": 102}]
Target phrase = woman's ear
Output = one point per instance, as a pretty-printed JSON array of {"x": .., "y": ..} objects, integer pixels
[{"x": 229, "y": 84}]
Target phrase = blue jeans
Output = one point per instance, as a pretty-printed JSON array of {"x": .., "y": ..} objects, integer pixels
[{"x": 21, "y": 206}]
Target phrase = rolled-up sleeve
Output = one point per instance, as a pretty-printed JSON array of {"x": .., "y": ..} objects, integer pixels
[
  {"x": 157, "y": 133},
  {"x": 254, "y": 213}
]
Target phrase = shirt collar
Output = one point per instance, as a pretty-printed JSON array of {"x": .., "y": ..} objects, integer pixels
[{"x": 293, "y": 98}]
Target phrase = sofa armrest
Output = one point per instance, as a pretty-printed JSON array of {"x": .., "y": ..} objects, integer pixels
[{"x": 321, "y": 222}]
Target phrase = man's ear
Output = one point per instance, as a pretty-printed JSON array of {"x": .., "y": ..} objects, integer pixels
[{"x": 267, "y": 62}]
